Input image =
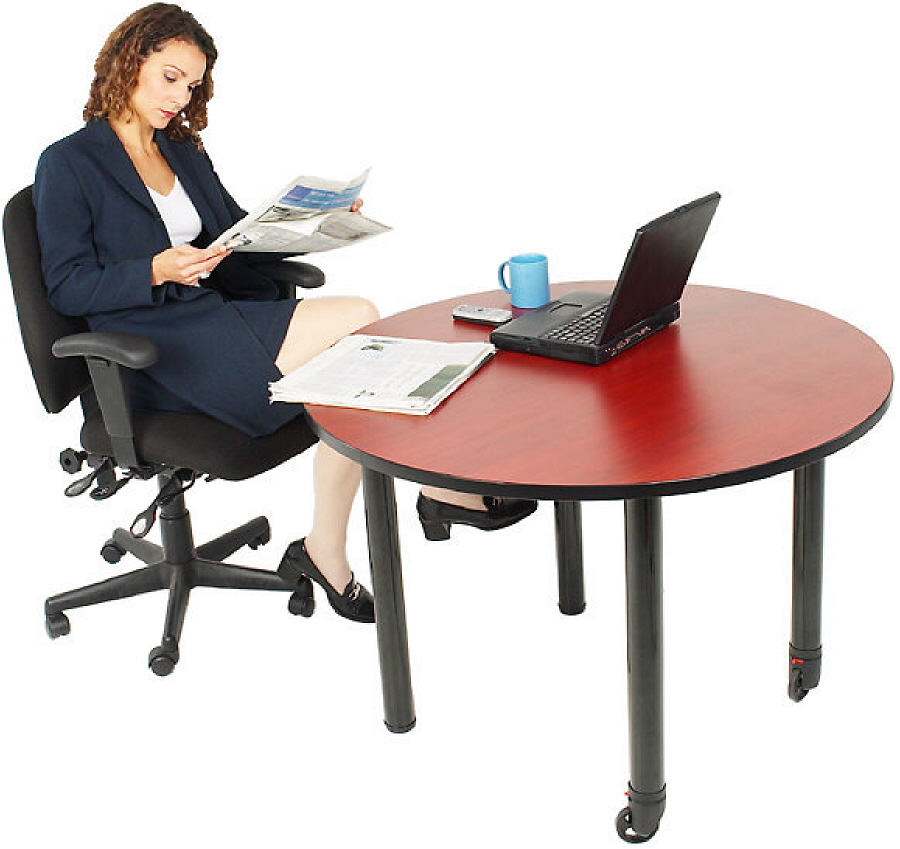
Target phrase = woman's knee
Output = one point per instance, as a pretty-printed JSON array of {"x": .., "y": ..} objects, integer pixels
[
  {"x": 365, "y": 312},
  {"x": 318, "y": 323},
  {"x": 351, "y": 312}
]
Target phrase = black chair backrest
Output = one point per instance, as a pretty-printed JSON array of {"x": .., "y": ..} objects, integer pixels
[{"x": 58, "y": 381}]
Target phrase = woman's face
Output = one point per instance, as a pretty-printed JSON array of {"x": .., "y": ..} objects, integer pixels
[{"x": 166, "y": 81}]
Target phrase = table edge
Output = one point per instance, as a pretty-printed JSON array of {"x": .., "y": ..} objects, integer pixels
[{"x": 606, "y": 492}]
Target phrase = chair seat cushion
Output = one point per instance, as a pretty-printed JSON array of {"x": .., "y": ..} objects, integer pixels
[{"x": 203, "y": 444}]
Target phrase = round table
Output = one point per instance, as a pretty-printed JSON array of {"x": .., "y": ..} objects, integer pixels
[{"x": 743, "y": 386}]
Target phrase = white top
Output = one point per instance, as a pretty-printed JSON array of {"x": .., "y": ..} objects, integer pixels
[{"x": 178, "y": 214}]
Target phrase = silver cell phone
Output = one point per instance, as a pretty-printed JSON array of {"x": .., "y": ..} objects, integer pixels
[{"x": 493, "y": 316}]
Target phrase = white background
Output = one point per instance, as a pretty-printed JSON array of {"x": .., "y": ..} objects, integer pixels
[{"x": 492, "y": 128}]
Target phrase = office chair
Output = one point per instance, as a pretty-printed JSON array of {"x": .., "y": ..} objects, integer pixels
[{"x": 68, "y": 362}]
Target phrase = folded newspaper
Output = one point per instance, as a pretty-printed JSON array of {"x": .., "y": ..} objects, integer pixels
[
  {"x": 308, "y": 215},
  {"x": 383, "y": 373}
]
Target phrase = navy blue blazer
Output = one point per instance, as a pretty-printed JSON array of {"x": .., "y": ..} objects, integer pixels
[{"x": 99, "y": 230}]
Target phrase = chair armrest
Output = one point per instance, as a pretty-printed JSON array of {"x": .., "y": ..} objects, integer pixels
[
  {"x": 289, "y": 274},
  {"x": 124, "y": 349},
  {"x": 106, "y": 355}
]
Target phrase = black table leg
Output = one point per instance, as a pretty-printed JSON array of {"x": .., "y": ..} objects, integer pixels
[
  {"x": 569, "y": 558},
  {"x": 805, "y": 653},
  {"x": 639, "y": 821},
  {"x": 390, "y": 609}
]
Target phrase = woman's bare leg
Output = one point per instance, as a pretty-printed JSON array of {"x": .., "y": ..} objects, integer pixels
[
  {"x": 335, "y": 483},
  {"x": 451, "y": 496},
  {"x": 316, "y": 325}
]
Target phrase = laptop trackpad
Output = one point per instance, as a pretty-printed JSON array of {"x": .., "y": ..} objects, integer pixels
[{"x": 564, "y": 309}]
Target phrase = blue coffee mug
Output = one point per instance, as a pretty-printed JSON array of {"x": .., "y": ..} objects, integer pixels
[{"x": 529, "y": 284}]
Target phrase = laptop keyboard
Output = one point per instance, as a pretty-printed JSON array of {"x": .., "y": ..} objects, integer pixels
[{"x": 581, "y": 330}]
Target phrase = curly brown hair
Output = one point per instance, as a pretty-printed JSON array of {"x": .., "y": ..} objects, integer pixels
[{"x": 147, "y": 31}]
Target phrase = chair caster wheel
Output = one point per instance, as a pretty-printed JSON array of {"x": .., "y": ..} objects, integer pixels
[
  {"x": 796, "y": 691},
  {"x": 112, "y": 552},
  {"x": 262, "y": 539},
  {"x": 163, "y": 660},
  {"x": 57, "y": 625},
  {"x": 623, "y": 828},
  {"x": 302, "y": 606},
  {"x": 302, "y": 602}
]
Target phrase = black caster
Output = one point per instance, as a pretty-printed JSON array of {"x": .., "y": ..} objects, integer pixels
[
  {"x": 639, "y": 820},
  {"x": 57, "y": 625},
  {"x": 112, "y": 552},
  {"x": 625, "y": 831},
  {"x": 302, "y": 602},
  {"x": 796, "y": 691},
  {"x": 805, "y": 672},
  {"x": 262, "y": 539},
  {"x": 163, "y": 659}
]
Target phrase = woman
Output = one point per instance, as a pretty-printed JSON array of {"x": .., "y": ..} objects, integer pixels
[{"x": 124, "y": 207}]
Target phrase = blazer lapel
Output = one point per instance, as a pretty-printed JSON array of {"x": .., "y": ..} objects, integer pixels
[
  {"x": 183, "y": 162},
  {"x": 115, "y": 159}
]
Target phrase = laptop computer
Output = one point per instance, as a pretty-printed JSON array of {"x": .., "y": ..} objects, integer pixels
[{"x": 588, "y": 327}]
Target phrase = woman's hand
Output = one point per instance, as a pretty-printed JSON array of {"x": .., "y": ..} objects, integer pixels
[
  {"x": 186, "y": 264},
  {"x": 356, "y": 206}
]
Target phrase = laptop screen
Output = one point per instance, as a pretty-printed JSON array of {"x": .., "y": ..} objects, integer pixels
[{"x": 658, "y": 264}]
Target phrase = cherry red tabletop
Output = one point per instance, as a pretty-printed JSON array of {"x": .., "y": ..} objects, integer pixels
[{"x": 741, "y": 387}]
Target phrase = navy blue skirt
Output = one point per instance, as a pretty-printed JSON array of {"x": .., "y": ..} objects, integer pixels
[{"x": 216, "y": 357}]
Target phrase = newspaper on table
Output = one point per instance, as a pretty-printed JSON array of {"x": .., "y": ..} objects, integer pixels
[
  {"x": 383, "y": 373},
  {"x": 308, "y": 215}
]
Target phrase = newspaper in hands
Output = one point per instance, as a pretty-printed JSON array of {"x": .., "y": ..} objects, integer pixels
[
  {"x": 308, "y": 215},
  {"x": 383, "y": 373}
]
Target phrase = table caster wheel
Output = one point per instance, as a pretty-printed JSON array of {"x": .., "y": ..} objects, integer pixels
[
  {"x": 302, "y": 602},
  {"x": 112, "y": 552},
  {"x": 623, "y": 828},
  {"x": 796, "y": 691},
  {"x": 805, "y": 672},
  {"x": 162, "y": 660},
  {"x": 639, "y": 821},
  {"x": 57, "y": 625}
]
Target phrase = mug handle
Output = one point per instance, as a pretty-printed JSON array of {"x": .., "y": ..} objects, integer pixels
[{"x": 502, "y": 279}]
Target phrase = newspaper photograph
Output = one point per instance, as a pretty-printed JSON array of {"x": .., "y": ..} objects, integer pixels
[
  {"x": 309, "y": 215},
  {"x": 383, "y": 373},
  {"x": 305, "y": 197}
]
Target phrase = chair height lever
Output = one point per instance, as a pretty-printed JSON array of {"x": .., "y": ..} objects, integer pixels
[{"x": 145, "y": 520}]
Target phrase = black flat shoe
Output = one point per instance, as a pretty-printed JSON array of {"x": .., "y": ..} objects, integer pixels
[
  {"x": 355, "y": 602},
  {"x": 437, "y": 516}
]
